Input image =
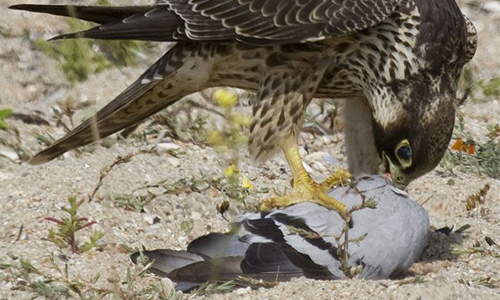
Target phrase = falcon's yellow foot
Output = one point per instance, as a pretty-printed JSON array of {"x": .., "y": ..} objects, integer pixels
[
  {"x": 305, "y": 189},
  {"x": 338, "y": 178}
]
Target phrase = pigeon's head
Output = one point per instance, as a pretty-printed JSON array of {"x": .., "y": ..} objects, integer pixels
[{"x": 413, "y": 133}]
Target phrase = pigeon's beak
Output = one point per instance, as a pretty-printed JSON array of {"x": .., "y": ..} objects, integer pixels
[{"x": 387, "y": 176}]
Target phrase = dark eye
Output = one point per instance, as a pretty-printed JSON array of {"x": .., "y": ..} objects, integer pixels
[{"x": 404, "y": 153}]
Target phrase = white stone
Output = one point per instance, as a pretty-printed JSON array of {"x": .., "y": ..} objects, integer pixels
[
  {"x": 10, "y": 154},
  {"x": 167, "y": 147},
  {"x": 5, "y": 176},
  {"x": 195, "y": 216},
  {"x": 168, "y": 286},
  {"x": 174, "y": 161},
  {"x": 149, "y": 219},
  {"x": 492, "y": 6},
  {"x": 316, "y": 156},
  {"x": 243, "y": 291},
  {"x": 322, "y": 157}
]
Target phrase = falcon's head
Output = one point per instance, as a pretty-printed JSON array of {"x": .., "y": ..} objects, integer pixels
[
  {"x": 412, "y": 135},
  {"x": 413, "y": 119}
]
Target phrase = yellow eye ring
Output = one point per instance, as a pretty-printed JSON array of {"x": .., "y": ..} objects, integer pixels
[{"x": 403, "y": 153}]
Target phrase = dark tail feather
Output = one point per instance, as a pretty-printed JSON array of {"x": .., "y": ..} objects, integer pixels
[
  {"x": 147, "y": 23},
  {"x": 259, "y": 261},
  {"x": 189, "y": 270},
  {"x": 215, "y": 270},
  {"x": 97, "y": 14},
  {"x": 220, "y": 269}
]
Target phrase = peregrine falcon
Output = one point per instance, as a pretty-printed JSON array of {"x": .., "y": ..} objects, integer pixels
[{"x": 395, "y": 62}]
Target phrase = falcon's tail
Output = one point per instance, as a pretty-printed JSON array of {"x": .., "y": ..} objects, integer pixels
[
  {"x": 163, "y": 84},
  {"x": 148, "y": 23}
]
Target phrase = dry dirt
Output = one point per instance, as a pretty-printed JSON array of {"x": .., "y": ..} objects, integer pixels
[{"x": 29, "y": 80}]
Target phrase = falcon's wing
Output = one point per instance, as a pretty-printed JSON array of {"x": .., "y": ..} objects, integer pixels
[{"x": 258, "y": 22}]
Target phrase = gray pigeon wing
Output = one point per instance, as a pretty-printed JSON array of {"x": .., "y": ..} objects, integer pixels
[
  {"x": 218, "y": 245},
  {"x": 396, "y": 231}
]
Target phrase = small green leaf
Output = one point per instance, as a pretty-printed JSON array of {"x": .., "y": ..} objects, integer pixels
[{"x": 4, "y": 114}]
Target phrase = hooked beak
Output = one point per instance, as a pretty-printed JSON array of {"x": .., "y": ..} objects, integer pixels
[{"x": 393, "y": 173}]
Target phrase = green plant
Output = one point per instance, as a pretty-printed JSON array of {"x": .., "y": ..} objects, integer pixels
[
  {"x": 78, "y": 58},
  {"x": 493, "y": 131},
  {"x": 4, "y": 113},
  {"x": 132, "y": 202},
  {"x": 67, "y": 227},
  {"x": 189, "y": 130},
  {"x": 489, "y": 282},
  {"x": 210, "y": 288},
  {"x": 12, "y": 137},
  {"x": 25, "y": 277},
  {"x": 107, "y": 170},
  {"x": 491, "y": 87},
  {"x": 62, "y": 283},
  {"x": 229, "y": 138},
  {"x": 474, "y": 250},
  {"x": 469, "y": 155}
]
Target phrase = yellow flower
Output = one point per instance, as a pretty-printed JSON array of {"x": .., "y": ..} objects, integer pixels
[
  {"x": 215, "y": 138},
  {"x": 242, "y": 120},
  {"x": 231, "y": 171},
  {"x": 225, "y": 98},
  {"x": 246, "y": 183}
]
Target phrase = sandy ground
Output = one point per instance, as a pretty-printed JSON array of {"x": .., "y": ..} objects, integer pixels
[{"x": 29, "y": 80}]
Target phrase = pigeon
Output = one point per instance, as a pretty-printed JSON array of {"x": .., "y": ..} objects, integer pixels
[{"x": 387, "y": 233}]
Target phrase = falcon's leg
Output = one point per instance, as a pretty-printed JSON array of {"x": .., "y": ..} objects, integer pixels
[
  {"x": 278, "y": 117},
  {"x": 305, "y": 189}
]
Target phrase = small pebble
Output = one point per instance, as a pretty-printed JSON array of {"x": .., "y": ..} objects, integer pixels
[
  {"x": 195, "y": 216},
  {"x": 243, "y": 291},
  {"x": 492, "y": 6},
  {"x": 10, "y": 154},
  {"x": 174, "y": 161},
  {"x": 164, "y": 147},
  {"x": 167, "y": 285}
]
